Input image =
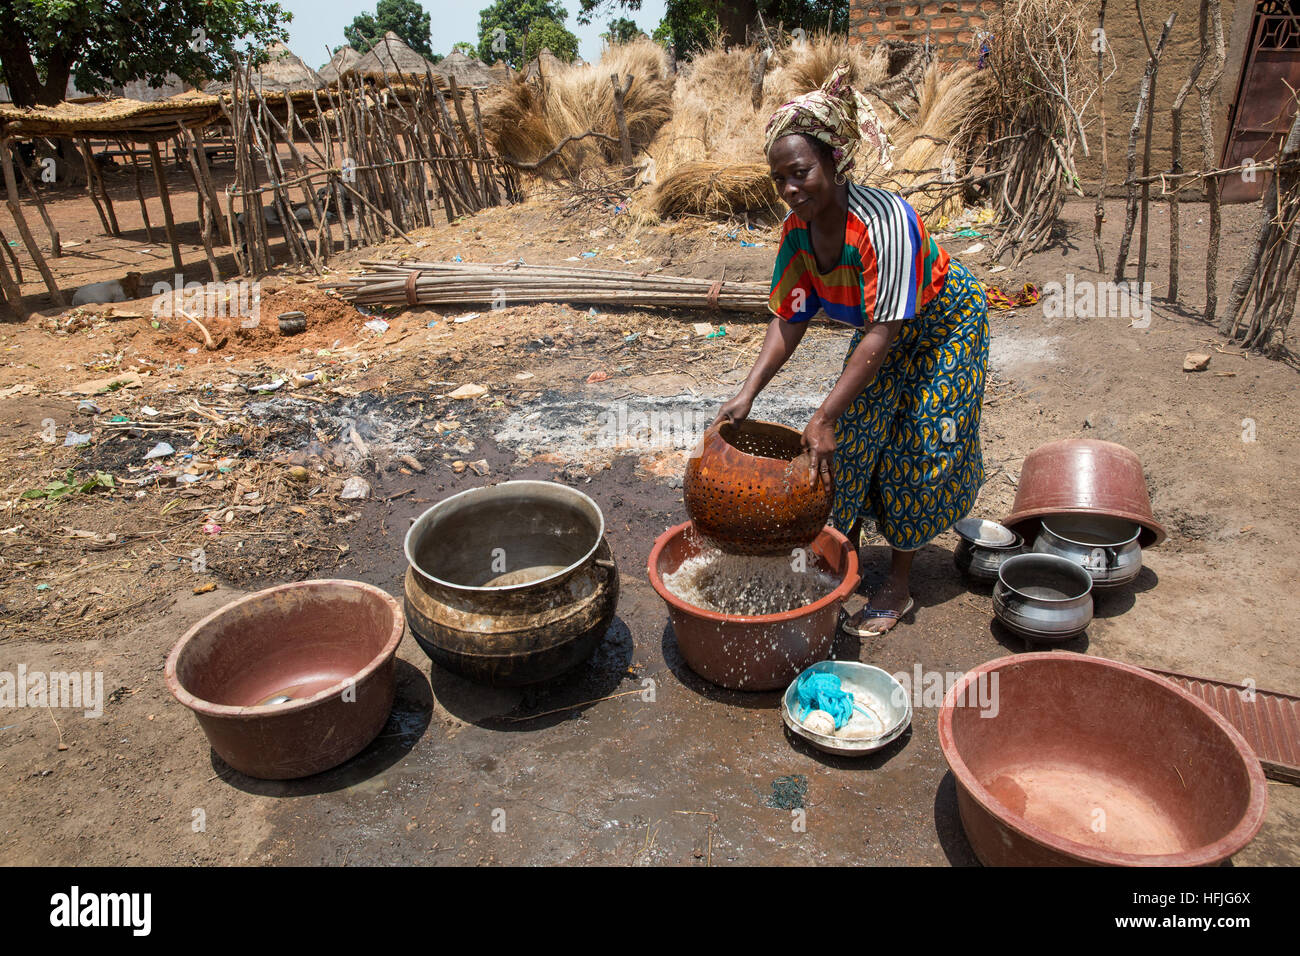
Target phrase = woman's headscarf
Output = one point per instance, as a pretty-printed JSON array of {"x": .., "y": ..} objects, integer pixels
[{"x": 837, "y": 115}]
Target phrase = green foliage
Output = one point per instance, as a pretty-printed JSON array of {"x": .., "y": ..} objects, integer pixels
[
  {"x": 68, "y": 485},
  {"x": 112, "y": 42},
  {"x": 622, "y": 30},
  {"x": 689, "y": 25},
  {"x": 516, "y": 31},
  {"x": 464, "y": 47},
  {"x": 406, "y": 18}
]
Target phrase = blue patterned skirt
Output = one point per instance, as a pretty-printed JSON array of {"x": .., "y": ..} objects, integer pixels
[{"x": 908, "y": 448}]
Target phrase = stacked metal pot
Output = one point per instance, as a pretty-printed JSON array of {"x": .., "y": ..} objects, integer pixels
[{"x": 1080, "y": 521}]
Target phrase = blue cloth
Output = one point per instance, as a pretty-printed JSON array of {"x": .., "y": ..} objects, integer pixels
[{"x": 819, "y": 690}]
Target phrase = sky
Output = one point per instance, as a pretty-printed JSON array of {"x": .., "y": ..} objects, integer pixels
[{"x": 317, "y": 26}]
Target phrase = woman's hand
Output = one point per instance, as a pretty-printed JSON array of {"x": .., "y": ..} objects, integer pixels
[
  {"x": 735, "y": 409},
  {"x": 819, "y": 445}
]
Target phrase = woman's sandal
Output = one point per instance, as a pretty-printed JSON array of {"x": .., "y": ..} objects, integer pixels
[{"x": 869, "y": 613}]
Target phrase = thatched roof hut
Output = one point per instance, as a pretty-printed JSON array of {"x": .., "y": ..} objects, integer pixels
[
  {"x": 344, "y": 59},
  {"x": 467, "y": 71},
  {"x": 281, "y": 73},
  {"x": 389, "y": 59},
  {"x": 545, "y": 64}
]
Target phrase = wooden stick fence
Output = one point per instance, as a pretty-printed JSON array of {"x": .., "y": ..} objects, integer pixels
[{"x": 376, "y": 161}]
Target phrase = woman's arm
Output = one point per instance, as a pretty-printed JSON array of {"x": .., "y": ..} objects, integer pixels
[
  {"x": 861, "y": 368},
  {"x": 782, "y": 339}
]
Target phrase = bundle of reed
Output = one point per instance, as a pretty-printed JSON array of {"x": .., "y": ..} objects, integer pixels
[
  {"x": 1041, "y": 81},
  {"x": 500, "y": 285},
  {"x": 929, "y": 155},
  {"x": 706, "y": 188},
  {"x": 527, "y": 119}
]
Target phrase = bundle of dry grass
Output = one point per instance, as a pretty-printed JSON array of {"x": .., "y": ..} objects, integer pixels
[
  {"x": 929, "y": 153},
  {"x": 528, "y": 118},
  {"x": 1042, "y": 76},
  {"x": 712, "y": 148},
  {"x": 712, "y": 116},
  {"x": 706, "y": 188}
]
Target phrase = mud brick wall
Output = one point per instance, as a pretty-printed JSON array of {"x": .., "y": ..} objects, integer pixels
[
  {"x": 953, "y": 27},
  {"x": 950, "y": 25}
]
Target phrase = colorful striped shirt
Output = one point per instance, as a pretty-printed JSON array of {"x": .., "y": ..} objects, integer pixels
[{"x": 889, "y": 266}]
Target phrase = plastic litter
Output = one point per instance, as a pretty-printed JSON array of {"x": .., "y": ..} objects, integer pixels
[
  {"x": 160, "y": 450},
  {"x": 76, "y": 438}
]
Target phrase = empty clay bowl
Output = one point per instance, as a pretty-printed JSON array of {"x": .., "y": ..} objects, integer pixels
[
  {"x": 1087, "y": 477},
  {"x": 1083, "y": 760},
  {"x": 747, "y": 489},
  {"x": 762, "y": 652},
  {"x": 292, "y": 680}
]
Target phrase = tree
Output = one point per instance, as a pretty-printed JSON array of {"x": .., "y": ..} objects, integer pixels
[
  {"x": 622, "y": 30},
  {"x": 106, "y": 43},
  {"x": 516, "y": 31},
  {"x": 686, "y": 22},
  {"x": 689, "y": 25},
  {"x": 462, "y": 46},
  {"x": 406, "y": 18}
]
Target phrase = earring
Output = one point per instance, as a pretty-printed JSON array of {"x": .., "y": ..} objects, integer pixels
[{"x": 839, "y": 179}]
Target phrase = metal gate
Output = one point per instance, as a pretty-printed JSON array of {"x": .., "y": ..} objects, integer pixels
[{"x": 1264, "y": 106}]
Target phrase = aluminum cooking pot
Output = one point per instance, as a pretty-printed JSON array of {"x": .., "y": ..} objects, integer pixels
[{"x": 1107, "y": 548}]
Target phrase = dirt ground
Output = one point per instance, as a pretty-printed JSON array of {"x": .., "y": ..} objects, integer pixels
[{"x": 106, "y": 579}]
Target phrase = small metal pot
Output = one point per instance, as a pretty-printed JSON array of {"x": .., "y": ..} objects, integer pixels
[
  {"x": 291, "y": 323},
  {"x": 982, "y": 546},
  {"x": 1043, "y": 596},
  {"x": 1107, "y": 548}
]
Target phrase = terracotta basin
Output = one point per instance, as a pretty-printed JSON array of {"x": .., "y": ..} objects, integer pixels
[
  {"x": 1087, "y": 761},
  {"x": 747, "y": 489},
  {"x": 510, "y": 584},
  {"x": 753, "y": 653},
  {"x": 327, "y": 646},
  {"x": 1082, "y": 476}
]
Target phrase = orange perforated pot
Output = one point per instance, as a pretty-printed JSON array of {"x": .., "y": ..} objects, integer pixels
[{"x": 748, "y": 489}]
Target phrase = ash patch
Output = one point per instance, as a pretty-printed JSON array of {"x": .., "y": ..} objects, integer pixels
[{"x": 596, "y": 429}]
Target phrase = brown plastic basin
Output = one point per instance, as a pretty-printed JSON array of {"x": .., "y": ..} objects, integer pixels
[
  {"x": 753, "y": 653},
  {"x": 327, "y": 645},
  {"x": 1083, "y": 476},
  {"x": 747, "y": 489},
  {"x": 1088, "y": 761}
]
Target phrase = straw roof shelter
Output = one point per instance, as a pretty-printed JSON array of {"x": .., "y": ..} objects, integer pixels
[
  {"x": 468, "y": 72},
  {"x": 344, "y": 59},
  {"x": 545, "y": 64},
  {"x": 389, "y": 59},
  {"x": 282, "y": 72}
]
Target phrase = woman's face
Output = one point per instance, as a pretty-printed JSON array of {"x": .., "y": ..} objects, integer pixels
[{"x": 802, "y": 176}]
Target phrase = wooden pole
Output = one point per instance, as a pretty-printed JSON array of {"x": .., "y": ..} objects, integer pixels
[
  {"x": 1144, "y": 104},
  {"x": 1205, "y": 91},
  {"x": 16, "y": 211},
  {"x": 139, "y": 189},
  {"x": 90, "y": 188},
  {"x": 1099, "y": 210},
  {"x": 13, "y": 296},
  {"x": 95, "y": 178},
  {"x": 205, "y": 221},
  {"x": 625, "y": 141},
  {"x": 161, "y": 181},
  {"x": 45, "y": 216}
]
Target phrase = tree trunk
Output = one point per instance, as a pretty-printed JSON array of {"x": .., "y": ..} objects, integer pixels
[{"x": 735, "y": 17}]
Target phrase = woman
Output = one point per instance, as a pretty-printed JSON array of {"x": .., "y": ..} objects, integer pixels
[{"x": 901, "y": 424}]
